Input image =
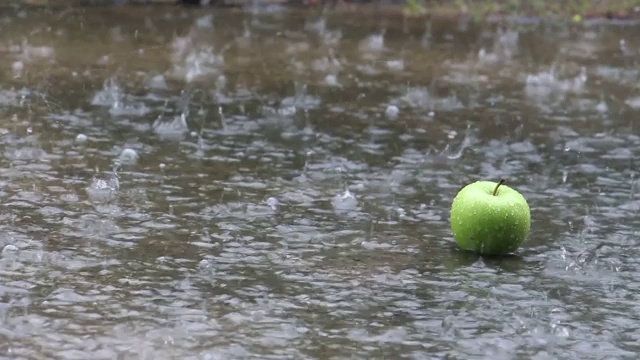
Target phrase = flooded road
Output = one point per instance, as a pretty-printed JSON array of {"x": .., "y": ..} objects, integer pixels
[{"x": 184, "y": 184}]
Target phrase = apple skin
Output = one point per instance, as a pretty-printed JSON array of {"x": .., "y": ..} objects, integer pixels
[{"x": 490, "y": 224}]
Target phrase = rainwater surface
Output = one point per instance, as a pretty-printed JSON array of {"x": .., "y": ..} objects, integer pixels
[{"x": 276, "y": 184}]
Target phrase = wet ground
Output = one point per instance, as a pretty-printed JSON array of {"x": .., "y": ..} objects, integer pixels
[{"x": 183, "y": 184}]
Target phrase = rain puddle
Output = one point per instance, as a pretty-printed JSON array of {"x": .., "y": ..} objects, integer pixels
[{"x": 184, "y": 183}]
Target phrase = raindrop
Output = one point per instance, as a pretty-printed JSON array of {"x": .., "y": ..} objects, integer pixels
[
  {"x": 18, "y": 67},
  {"x": 273, "y": 203},
  {"x": 392, "y": 111},
  {"x": 128, "y": 156}
]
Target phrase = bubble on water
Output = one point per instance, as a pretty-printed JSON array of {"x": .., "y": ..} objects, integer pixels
[
  {"x": 9, "y": 250},
  {"x": 395, "y": 65},
  {"x": 221, "y": 82},
  {"x": 373, "y": 43},
  {"x": 81, "y": 138},
  {"x": 18, "y": 68},
  {"x": 273, "y": 203},
  {"x": 128, "y": 156},
  {"x": 331, "y": 80},
  {"x": 392, "y": 111},
  {"x": 344, "y": 201}
]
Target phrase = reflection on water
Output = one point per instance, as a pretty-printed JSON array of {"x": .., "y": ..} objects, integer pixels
[{"x": 179, "y": 184}]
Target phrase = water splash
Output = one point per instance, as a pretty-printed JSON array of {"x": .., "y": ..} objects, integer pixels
[
  {"x": 344, "y": 201},
  {"x": 103, "y": 187},
  {"x": 546, "y": 84},
  {"x": 175, "y": 129}
]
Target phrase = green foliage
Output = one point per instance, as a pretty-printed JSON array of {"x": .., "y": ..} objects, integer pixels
[
  {"x": 574, "y": 10},
  {"x": 414, "y": 7}
]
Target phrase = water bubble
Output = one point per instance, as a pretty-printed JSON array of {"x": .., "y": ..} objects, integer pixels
[
  {"x": 9, "y": 249},
  {"x": 128, "y": 156},
  {"x": 331, "y": 80},
  {"x": 81, "y": 138},
  {"x": 18, "y": 67},
  {"x": 273, "y": 203},
  {"x": 395, "y": 65},
  {"x": 392, "y": 111}
]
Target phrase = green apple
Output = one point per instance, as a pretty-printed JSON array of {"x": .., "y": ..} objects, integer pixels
[{"x": 490, "y": 218}]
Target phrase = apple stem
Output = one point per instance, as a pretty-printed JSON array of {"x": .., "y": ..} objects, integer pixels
[{"x": 495, "y": 191}]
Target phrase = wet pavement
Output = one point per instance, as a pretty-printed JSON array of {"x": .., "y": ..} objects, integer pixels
[{"x": 272, "y": 184}]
